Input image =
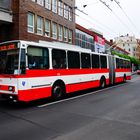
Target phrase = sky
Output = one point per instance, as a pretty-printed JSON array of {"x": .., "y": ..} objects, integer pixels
[{"x": 121, "y": 20}]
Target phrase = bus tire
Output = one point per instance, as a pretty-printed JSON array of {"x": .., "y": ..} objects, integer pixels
[
  {"x": 102, "y": 83},
  {"x": 58, "y": 90}
]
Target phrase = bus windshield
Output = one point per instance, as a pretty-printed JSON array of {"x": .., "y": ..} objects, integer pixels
[{"x": 9, "y": 60}]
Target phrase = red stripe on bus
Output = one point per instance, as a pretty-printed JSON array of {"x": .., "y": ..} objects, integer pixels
[
  {"x": 122, "y": 70},
  {"x": 128, "y": 77},
  {"x": 4, "y": 87},
  {"x": 61, "y": 72},
  {"x": 82, "y": 86},
  {"x": 121, "y": 79},
  {"x": 33, "y": 94},
  {"x": 43, "y": 73}
]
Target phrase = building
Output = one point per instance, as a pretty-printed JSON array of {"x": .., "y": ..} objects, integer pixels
[
  {"x": 48, "y": 20},
  {"x": 138, "y": 49},
  {"x": 112, "y": 46},
  {"x": 99, "y": 41},
  {"x": 84, "y": 37},
  {"x": 5, "y": 19},
  {"x": 89, "y": 39},
  {"x": 127, "y": 43}
]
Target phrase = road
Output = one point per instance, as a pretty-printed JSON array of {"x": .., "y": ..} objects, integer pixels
[{"x": 110, "y": 114}]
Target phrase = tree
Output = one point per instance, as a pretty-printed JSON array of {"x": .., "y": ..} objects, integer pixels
[{"x": 132, "y": 59}]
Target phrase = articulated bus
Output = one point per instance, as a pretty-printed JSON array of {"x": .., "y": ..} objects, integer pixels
[{"x": 35, "y": 70}]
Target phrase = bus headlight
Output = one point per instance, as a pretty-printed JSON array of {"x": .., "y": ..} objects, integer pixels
[{"x": 11, "y": 88}]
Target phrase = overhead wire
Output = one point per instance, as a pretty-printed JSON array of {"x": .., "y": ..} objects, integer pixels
[
  {"x": 103, "y": 26},
  {"x": 125, "y": 25},
  {"x": 129, "y": 19}
]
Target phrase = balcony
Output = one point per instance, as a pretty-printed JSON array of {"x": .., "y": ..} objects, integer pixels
[{"x": 5, "y": 11}]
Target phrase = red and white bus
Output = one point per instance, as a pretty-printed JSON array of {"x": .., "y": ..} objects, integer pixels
[{"x": 31, "y": 70}]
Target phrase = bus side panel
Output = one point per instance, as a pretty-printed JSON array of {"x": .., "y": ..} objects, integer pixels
[
  {"x": 128, "y": 77},
  {"x": 120, "y": 75},
  {"x": 82, "y": 86},
  {"x": 33, "y": 94},
  {"x": 119, "y": 80}
]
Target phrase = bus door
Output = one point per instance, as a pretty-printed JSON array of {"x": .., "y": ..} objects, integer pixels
[{"x": 111, "y": 69}]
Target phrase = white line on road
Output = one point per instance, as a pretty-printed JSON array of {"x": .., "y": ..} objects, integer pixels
[{"x": 76, "y": 97}]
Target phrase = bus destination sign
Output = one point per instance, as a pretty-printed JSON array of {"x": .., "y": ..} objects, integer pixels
[{"x": 6, "y": 47}]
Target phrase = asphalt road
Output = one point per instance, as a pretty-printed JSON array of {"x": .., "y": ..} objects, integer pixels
[{"x": 110, "y": 114}]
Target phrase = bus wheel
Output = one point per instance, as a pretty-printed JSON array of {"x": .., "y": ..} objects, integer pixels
[
  {"x": 57, "y": 91},
  {"x": 102, "y": 83}
]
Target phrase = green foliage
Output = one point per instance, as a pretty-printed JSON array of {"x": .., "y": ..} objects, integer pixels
[{"x": 132, "y": 59}]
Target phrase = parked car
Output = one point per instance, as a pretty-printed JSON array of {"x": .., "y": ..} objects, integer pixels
[{"x": 138, "y": 71}]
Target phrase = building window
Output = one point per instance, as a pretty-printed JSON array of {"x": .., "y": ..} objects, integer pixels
[
  {"x": 30, "y": 22},
  {"x": 70, "y": 13},
  {"x": 54, "y": 6},
  {"x": 39, "y": 25},
  {"x": 84, "y": 40},
  {"x": 48, "y": 4},
  {"x": 70, "y": 36},
  {"x": 65, "y": 34},
  {"x": 134, "y": 49},
  {"x": 40, "y": 2},
  {"x": 60, "y": 36},
  {"x": 54, "y": 30},
  {"x": 66, "y": 8},
  {"x": 60, "y": 8},
  {"x": 47, "y": 28}
]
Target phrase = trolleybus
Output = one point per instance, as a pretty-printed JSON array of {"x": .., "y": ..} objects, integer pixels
[{"x": 35, "y": 70}]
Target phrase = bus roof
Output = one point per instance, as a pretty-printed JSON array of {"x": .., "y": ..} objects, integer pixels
[{"x": 58, "y": 45}]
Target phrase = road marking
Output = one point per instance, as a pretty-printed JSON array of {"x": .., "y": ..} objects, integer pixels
[{"x": 76, "y": 97}]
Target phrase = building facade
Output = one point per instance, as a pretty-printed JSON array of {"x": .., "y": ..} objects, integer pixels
[
  {"x": 138, "y": 49},
  {"x": 89, "y": 39},
  {"x": 6, "y": 19},
  {"x": 48, "y": 20},
  {"x": 127, "y": 43},
  {"x": 112, "y": 46},
  {"x": 84, "y": 37}
]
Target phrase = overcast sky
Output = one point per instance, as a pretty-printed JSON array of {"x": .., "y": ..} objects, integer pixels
[{"x": 119, "y": 21}]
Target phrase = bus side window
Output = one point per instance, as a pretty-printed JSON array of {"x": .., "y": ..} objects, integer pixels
[
  {"x": 103, "y": 61},
  {"x": 85, "y": 60},
  {"x": 117, "y": 63},
  {"x": 58, "y": 59},
  {"x": 95, "y": 61},
  {"x": 38, "y": 58},
  {"x": 73, "y": 60}
]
